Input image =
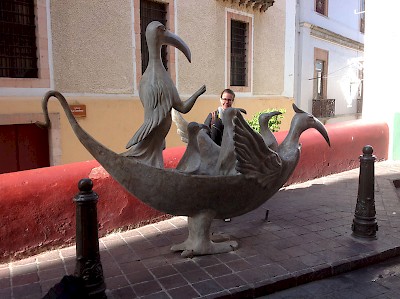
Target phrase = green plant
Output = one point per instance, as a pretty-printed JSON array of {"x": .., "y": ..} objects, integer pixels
[{"x": 273, "y": 124}]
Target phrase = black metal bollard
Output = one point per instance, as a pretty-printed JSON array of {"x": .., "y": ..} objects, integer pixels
[
  {"x": 364, "y": 223},
  {"x": 88, "y": 265}
]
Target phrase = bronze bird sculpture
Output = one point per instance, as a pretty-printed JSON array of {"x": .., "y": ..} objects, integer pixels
[
  {"x": 255, "y": 159},
  {"x": 203, "y": 155},
  {"x": 158, "y": 95},
  {"x": 210, "y": 181},
  {"x": 265, "y": 131},
  {"x": 260, "y": 173}
]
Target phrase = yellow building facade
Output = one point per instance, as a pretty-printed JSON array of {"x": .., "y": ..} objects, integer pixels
[{"x": 91, "y": 52}]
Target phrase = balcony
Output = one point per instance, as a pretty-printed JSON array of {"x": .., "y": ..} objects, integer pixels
[
  {"x": 261, "y": 5},
  {"x": 323, "y": 108}
]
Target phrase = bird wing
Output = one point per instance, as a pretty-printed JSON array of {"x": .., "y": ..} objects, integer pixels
[
  {"x": 157, "y": 98},
  {"x": 201, "y": 153},
  {"x": 254, "y": 158},
  {"x": 181, "y": 125}
]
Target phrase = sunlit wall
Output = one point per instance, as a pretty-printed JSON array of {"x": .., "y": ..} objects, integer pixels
[{"x": 382, "y": 64}]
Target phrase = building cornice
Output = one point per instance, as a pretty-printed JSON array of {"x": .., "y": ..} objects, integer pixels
[
  {"x": 261, "y": 5},
  {"x": 332, "y": 37}
]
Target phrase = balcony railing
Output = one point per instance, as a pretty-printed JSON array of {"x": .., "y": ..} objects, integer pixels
[{"x": 323, "y": 108}]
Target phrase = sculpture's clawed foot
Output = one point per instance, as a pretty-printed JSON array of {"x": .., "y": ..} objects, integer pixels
[
  {"x": 190, "y": 249},
  {"x": 198, "y": 241},
  {"x": 211, "y": 248},
  {"x": 179, "y": 247}
]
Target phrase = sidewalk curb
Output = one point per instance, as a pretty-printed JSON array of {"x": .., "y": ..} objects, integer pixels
[{"x": 298, "y": 278}]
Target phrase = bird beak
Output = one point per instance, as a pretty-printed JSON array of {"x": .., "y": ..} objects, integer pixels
[
  {"x": 242, "y": 110},
  {"x": 321, "y": 128},
  {"x": 275, "y": 113},
  {"x": 174, "y": 40}
]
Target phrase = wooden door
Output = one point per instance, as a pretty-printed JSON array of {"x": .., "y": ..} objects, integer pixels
[{"x": 23, "y": 147}]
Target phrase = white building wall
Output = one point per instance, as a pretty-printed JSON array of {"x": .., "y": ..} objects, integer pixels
[
  {"x": 341, "y": 18},
  {"x": 381, "y": 99},
  {"x": 342, "y": 74},
  {"x": 343, "y": 64},
  {"x": 307, "y": 70},
  {"x": 290, "y": 49}
]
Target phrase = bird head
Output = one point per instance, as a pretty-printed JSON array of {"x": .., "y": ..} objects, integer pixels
[
  {"x": 264, "y": 118},
  {"x": 303, "y": 121},
  {"x": 194, "y": 128},
  {"x": 158, "y": 35}
]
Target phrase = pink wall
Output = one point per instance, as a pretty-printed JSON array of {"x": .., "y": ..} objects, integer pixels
[
  {"x": 347, "y": 141},
  {"x": 37, "y": 211}
]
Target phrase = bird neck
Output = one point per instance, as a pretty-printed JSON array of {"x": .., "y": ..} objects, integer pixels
[
  {"x": 155, "y": 56},
  {"x": 265, "y": 131},
  {"x": 289, "y": 148}
]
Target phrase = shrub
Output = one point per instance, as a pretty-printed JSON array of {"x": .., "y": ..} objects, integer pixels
[{"x": 274, "y": 122}]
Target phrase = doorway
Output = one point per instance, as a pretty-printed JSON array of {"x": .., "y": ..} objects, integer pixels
[{"x": 23, "y": 147}]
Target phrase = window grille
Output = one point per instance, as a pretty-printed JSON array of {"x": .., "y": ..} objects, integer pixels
[
  {"x": 151, "y": 11},
  {"x": 18, "y": 58},
  {"x": 238, "y": 53}
]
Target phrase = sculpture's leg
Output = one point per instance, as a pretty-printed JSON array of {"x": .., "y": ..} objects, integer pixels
[{"x": 198, "y": 241}]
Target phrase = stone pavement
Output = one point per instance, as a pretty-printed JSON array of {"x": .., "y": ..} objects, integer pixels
[
  {"x": 307, "y": 237},
  {"x": 379, "y": 281}
]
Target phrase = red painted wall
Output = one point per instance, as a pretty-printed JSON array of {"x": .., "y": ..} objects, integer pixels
[
  {"x": 347, "y": 141},
  {"x": 37, "y": 210}
]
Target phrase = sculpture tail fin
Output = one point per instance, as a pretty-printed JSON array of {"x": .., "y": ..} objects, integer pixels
[
  {"x": 64, "y": 104},
  {"x": 93, "y": 146}
]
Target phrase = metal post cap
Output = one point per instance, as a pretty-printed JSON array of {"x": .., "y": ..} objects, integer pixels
[
  {"x": 85, "y": 185},
  {"x": 368, "y": 150},
  {"x": 85, "y": 191},
  {"x": 367, "y": 156}
]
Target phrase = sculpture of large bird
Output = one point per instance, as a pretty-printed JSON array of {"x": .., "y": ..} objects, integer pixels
[
  {"x": 256, "y": 160},
  {"x": 202, "y": 152},
  {"x": 158, "y": 95},
  {"x": 203, "y": 155},
  {"x": 265, "y": 131},
  {"x": 260, "y": 173}
]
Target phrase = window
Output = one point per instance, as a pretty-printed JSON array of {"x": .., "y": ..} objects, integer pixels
[
  {"x": 319, "y": 84},
  {"x": 321, "y": 7},
  {"x": 146, "y": 11},
  {"x": 362, "y": 16},
  {"x": 320, "y": 71},
  {"x": 360, "y": 93},
  {"x": 151, "y": 11},
  {"x": 24, "y": 54},
  {"x": 239, "y": 51},
  {"x": 239, "y": 32},
  {"x": 18, "y": 39}
]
